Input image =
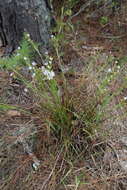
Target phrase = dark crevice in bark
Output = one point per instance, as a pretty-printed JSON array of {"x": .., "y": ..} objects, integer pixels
[
  {"x": 2, "y": 33},
  {"x": 48, "y": 5},
  {"x": 15, "y": 24}
]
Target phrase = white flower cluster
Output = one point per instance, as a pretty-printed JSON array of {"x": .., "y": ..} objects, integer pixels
[
  {"x": 47, "y": 68},
  {"x": 109, "y": 70},
  {"x": 47, "y": 73},
  {"x": 32, "y": 68}
]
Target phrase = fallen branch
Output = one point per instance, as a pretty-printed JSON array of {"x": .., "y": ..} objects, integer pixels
[
  {"x": 27, "y": 149},
  {"x": 23, "y": 133}
]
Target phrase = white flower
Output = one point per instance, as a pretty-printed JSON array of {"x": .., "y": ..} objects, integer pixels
[
  {"x": 52, "y": 74},
  {"x": 50, "y": 62},
  {"x": 49, "y": 67},
  {"x": 30, "y": 68},
  {"x": 25, "y": 90},
  {"x": 125, "y": 98},
  {"x": 33, "y": 75},
  {"x": 116, "y": 61},
  {"x": 18, "y": 54},
  {"x": 46, "y": 63},
  {"x": 46, "y": 53},
  {"x": 109, "y": 70},
  {"x": 18, "y": 48},
  {"x": 52, "y": 36},
  {"x": 28, "y": 35},
  {"x": 118, "y": 66},
  {"x": 25, "y": 58},
  {"x": 42, "y": 68},
  {"x": 48, "y": 74},
  {"x": 11, "y": 74},
  {"x": 34, "y": 63},
  {"x": 50, "y": 58}
]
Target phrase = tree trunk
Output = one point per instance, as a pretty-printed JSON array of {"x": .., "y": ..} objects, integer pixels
[{"x": 19, "y": 16}]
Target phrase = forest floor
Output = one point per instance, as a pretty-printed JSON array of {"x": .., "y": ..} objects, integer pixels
[{"x": 102, "y": 163}]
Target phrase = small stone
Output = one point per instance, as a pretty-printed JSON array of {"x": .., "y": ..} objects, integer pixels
[
  {"x": 36, "y": 165},
  {"x": 25, "y": 90},
  {"x": 124, "y": 140},
  {"x": 123, "y": 164}
]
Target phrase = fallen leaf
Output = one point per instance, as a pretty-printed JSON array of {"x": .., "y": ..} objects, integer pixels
[{"x": 13, "y": 113}]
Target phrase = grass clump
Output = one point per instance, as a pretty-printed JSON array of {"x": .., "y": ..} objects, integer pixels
[
  {"x": 69, "y": 114},
  {"x": 69, "y": 111}
]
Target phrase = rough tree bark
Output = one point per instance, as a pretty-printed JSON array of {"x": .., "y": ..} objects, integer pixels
[{"x": 19, "y": 16}]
